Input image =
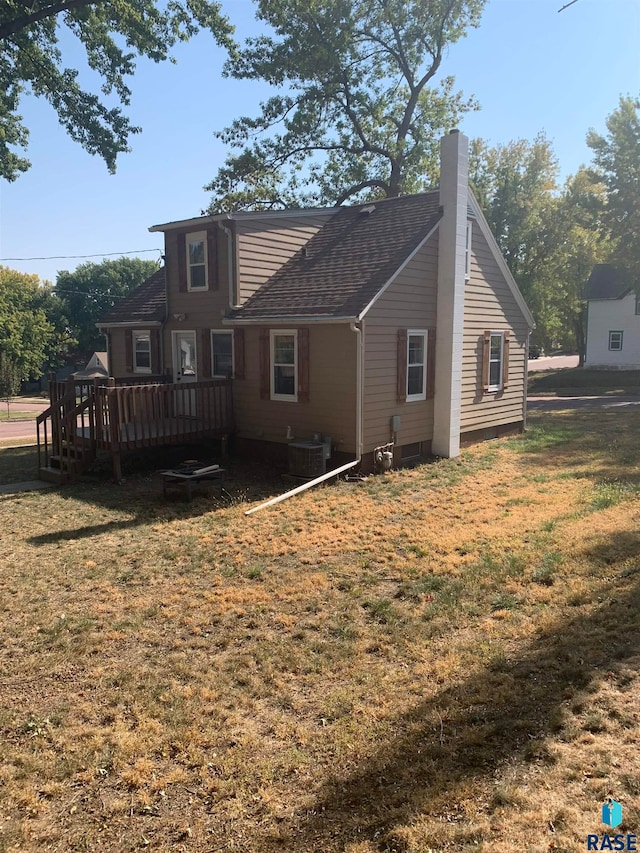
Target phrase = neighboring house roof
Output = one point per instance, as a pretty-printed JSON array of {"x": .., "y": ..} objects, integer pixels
[
  {"x": 607, "y": 282},
  {"x": 347, "y": 262},
  {"x": 97, "y": 367},
  {"x": 146, "y": 304}
]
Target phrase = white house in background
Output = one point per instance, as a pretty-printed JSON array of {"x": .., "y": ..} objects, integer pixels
[{"x": 613, "y": 320}]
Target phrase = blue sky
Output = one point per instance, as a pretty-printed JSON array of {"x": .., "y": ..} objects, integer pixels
[{"x": 531, "y": 68}]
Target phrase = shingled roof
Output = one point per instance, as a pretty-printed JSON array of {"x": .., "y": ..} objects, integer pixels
[
  {"x": 146, "y": 304},
  {"x": 607, "y": 282},
  {"x": 345, "y": 264}
]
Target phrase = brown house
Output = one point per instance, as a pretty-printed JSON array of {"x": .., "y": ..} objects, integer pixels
[{"x": 396, "y": 321}]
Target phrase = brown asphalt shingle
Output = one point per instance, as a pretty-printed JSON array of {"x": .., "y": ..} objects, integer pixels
[
  {"x": 347, "y": 262},
  {"x": 146, "y": 304}
]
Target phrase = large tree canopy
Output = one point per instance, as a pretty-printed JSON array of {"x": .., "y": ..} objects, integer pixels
[
  {"x": 112, "y": 33},
  {"x": 359, "y": 114},
  {"x": 91, "y": 289},
  {"x": 26, "y": 335},
  {"x": 616, "y": 158}
]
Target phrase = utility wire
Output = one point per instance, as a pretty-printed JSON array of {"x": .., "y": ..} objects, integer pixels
[{"x": 96, "y": 255}]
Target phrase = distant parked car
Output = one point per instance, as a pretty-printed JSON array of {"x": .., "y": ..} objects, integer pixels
[{"x": 535, "y": 352}]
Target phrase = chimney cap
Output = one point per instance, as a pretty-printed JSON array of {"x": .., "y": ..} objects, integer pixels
[{"x": 455, "y": 130}]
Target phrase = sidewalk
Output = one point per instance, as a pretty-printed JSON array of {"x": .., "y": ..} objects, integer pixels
[{"x": 26, "y": 486}]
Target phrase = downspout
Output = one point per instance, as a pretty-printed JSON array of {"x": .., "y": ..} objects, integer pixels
[
  {"x": 163, "y": 323},
  {"x": 229, "y": 233},
  {"x": 359, "y": 365}
]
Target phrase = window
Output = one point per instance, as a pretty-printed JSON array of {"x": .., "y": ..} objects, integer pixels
[
  {"x": 416, "y": 365},
  {"x": 615, "y": 341},
  {"x": 496, "y": 344},
  {"x": 284, "y": 365},
  {"x": 222, "y": 353},
  {"x": 141, "y": 352},
  {"x": 197, "y": 261},
  {"x": 467, "y": 253}
]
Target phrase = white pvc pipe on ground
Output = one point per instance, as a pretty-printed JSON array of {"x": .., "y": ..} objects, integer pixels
[{"x": 303, "y": 487}]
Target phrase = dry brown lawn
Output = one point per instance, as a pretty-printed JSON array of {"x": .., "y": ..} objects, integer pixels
[{"x": 441, "y": 659}]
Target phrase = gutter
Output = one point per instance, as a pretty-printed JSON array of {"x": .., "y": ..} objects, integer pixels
[
  {"x": 286, "y": 321},
  {"x": 349, "y": 465}
]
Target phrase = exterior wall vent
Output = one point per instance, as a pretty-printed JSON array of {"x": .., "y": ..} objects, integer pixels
[{"x": 306, "y": 459}]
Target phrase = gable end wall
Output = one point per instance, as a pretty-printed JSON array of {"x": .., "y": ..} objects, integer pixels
[{"x": 489, "y": 304}]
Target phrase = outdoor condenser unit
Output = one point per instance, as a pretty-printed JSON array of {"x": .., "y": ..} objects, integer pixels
[{"x": 306, "y": 459}]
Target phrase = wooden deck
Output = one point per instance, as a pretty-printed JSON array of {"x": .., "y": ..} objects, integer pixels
[{"x": 86, "y": 418}]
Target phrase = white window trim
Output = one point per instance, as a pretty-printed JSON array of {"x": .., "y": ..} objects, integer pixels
[
  {"x": 616, "y": 332},
  {"x": 467, "y": 253},
  {"x": 500, "y": 384},
  {"x": 135, "y": 336},
  {"x": 233, "y": 354},
  {"x": 273, "y": 334},
  {"x": 424, "y": 334},
  {"x": 197, "y": 237}
]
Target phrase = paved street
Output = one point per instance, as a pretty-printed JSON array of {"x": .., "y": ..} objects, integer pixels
[{"x": 552, "y": 362}]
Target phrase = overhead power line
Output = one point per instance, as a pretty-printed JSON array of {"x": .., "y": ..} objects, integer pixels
[{"x": 96, "y": 255}]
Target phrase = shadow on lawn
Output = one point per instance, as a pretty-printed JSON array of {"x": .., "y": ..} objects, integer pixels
[{"x": 466, "y": 732}]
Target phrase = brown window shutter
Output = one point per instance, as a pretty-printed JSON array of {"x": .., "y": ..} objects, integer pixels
[
  {"x": 431, "y": 363},
  {"x": 212, "y": 261},
  {"x": 205, "y": 358},
  {"x": 303, "y": 365},
  {"x": 182, "y": 263},
  {"x": 128, "y": 351},
  {"x": 486, "y": 347},
  {"x": 238, "y": 353},
  {"x": 154, "y": 336},
  {"x": 505, "y": 360},
  {"x": 264, "y": 356},
  {"x": 402, "y": 366}
]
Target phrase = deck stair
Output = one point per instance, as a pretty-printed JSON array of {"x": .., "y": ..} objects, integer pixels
[{"x": 84, "y": 418}]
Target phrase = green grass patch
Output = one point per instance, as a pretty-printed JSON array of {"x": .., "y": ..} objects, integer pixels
[{"x": 580, "y": 381}]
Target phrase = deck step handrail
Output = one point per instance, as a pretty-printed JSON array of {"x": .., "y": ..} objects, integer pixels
[{"x": 71, "y": 436}]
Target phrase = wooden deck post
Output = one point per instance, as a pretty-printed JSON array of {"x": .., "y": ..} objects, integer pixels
[{"x": 114, "y": 429}]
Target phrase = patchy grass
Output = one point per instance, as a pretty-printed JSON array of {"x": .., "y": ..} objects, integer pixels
[
  {"x": 579, "y": 381},
  {"x": 441, "y": 659},
  {"x": 18, "y": 464},
  {"x": 17, "y": 415}
]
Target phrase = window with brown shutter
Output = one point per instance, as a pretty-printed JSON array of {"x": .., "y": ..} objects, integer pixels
[
  {"x": 182, "y": 263},
  {"x": 128, "y": 351},
  {"x": 264, "y": 361},
  {"x": 401, "y": 389},
  {"x": 303, "y": 365},
  {"x": 495, "y": 360},
  {"x": 431, "y": 363},
  {"x": 205, "y": 358},
  {"x": 284, "y": 372},
  {"x": 238, "y": 353},
  {"x": 212, "y": 260},
  {"x": 156, "y": 366}
]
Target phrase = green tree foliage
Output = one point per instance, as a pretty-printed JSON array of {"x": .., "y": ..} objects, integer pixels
[
  {"x": 112, "y": 33},
  {"x": 616, "y": 159},
  {"x": 358, "y": 114},
  {"x": 516, "y": 185},
  {"x": 91, "y": 289},
  {"x": 26, "y": 335}
]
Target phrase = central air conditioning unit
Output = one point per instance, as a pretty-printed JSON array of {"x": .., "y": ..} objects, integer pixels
[{"x": 306, "y": 459}]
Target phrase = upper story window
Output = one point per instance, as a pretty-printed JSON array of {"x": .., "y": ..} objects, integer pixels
[
  {"x": 284, "y": 365},
  {"x": 416, "y": 365},
  {"x": 467, "y": 253},
  {"x": 615, "y": 341},
  {"x": 222, "y": 353},
  {"x": 141, "y": 352},
  {"x": 197, "y": 261},
  {"x": 638, "y": 303}
]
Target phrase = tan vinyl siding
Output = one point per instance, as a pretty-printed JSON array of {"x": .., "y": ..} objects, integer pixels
[
  {"x": 331, "y": 409},
  {"x": 490, "y": 305},
  {"x": 408, "y": 303},
  {"x": 264, "y": 245},
  {"x": 117, "y": 353}
]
